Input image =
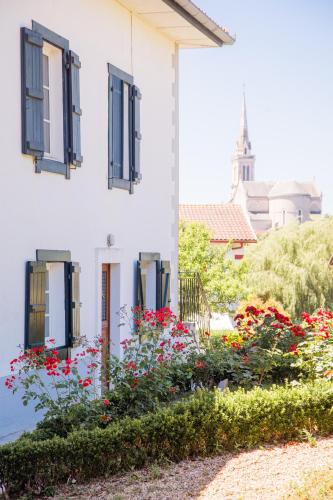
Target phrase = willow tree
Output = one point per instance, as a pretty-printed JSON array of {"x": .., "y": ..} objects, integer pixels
[
  {"x": 221, "y": 276},
  {"x": 290, "y": 265}
]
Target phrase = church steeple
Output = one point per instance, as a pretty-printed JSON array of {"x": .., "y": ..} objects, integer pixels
[
  {"x": 243, "y": 143},
  {"x": 243, "y": 160}
]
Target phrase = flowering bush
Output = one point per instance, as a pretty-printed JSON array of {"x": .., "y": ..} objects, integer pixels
[
  {"x": 54, "y": 384},
  {"x": 268, "y": 345},
  {"x": 152, "y": 355},
  {"x": 315, "y": 352}
]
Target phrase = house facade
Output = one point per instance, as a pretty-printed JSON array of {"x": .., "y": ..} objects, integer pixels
[
  {"x": 89, "y": 184},
  {"x": 269, "y": 204}
]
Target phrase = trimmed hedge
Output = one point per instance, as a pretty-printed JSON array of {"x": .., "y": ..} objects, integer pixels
[{"x": 206, "y": 423}]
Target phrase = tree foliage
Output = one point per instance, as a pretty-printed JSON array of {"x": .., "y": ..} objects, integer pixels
[
  {"x": 290, "y": 265},
  {"x": 221, "y": 276}
]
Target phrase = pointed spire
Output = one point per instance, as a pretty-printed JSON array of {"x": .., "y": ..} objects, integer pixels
[
  {"x": 243, "y": 143},
  {"x": 243, "y": 122}
]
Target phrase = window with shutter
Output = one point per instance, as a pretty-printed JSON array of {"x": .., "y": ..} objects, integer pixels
[
  {"x": 124, "y": 130},
  {"x": 50, "y": 101},
  {"x": 35, "y": 304},
  {"x": 53, "y": 300},
  {"x": 165, "y": 283},
  {"x": 148, "y": 281}
]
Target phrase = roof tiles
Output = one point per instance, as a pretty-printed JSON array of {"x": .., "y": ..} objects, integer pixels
[{"x": 226, "y": 221}]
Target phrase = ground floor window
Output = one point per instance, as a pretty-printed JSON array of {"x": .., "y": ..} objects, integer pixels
[{"x": 52, "y": 300}]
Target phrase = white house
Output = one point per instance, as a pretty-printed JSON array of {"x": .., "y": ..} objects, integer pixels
[
  {"x": 269, "y": 204},
  {"x": 89, "y": 170}
]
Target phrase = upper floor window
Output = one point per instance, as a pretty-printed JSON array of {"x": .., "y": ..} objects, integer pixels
[
  {"x": 50, "y": 101},
  {"x": 124, "y": 130}
]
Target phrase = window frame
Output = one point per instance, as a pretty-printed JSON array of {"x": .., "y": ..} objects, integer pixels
[
  {"x": 52, "y": 256},
  {"x": 44, "y": 163},
  {"x": 117, "y": 182}
]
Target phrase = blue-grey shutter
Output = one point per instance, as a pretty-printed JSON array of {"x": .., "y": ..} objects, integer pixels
[
  {"x": 117, "y": 135},
  {"x": 74, "y": 304},
  {"x": 158, "y": 284},
  {"x": 136, "y": 133},
  {"x": 35, "y": 304},
  {"x": 140, "y": 287},
  {"x": 165, "y": 283},
  {"x": 74, "y": 110},
  {"x": 32, "y": 92}
]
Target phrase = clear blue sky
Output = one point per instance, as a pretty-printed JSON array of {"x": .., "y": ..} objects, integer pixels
[{"x": 284, "y": 55}]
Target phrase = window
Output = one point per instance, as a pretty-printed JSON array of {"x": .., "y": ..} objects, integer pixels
[
  {"x": 300, "y": 216},
  {"x": 152, "y": 281},
  {"x": 124, "y": 130},
  {"x": 53, "y": 300},
  {"x": 50, "y": 101},
  {"x": 53, "y": 128}
]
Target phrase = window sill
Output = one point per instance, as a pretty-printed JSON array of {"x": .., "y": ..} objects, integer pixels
[
  {"x": 53, "y": 166},
  {"x": 114, "y": 182}
]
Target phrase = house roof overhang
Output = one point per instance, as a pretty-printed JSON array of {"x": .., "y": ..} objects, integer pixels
[{"x": 182, "y": 21}]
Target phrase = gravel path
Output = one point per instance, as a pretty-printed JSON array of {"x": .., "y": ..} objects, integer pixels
[{"x": 261, "y": 474}]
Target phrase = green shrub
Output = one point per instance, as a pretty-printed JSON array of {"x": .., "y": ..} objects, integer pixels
[{"x": 206, "y": 423}]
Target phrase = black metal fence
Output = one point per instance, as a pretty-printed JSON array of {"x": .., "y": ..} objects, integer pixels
[{"x": 193, "y": 304}]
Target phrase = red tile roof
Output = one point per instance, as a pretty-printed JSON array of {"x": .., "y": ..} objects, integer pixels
[{"x": 226, "y": 221}]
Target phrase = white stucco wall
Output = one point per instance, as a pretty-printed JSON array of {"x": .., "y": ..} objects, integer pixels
[{"x": 48, "y": 212}]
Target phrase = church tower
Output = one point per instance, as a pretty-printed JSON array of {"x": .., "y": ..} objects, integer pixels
[{"x": 243, "y": 160}]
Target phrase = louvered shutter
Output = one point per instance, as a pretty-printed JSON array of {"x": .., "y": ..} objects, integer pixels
[
  {"x": 158, "y": 284},
  {"x": 74, "y": 109},
  {"x": 74, "y": 304},
  {"x": 117, "y": 127},
  {"x": 165, "y": 283},
  {"x": 140, "y": 286},
  {"x": 136, "y": 134},
  {"x": 32, "y": 92},
  {"x": 35, "y": 304}
]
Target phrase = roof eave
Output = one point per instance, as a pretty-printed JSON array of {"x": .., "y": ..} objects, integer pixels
[{"x": 201, "y": 21}]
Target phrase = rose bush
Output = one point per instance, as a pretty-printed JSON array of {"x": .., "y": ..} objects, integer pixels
[
  {"x": 153, "y": 355},
  {"x": 268, "y": 346},
  {"x": 161, "y": 362},
  {"x": 52, "y": 383}
]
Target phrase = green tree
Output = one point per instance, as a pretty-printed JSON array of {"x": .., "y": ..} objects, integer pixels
[
  {"x": 221, "y": 276},
  {"x": 290, "y": 265}
]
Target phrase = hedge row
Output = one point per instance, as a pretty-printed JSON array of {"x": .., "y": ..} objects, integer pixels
[{"x": 207, "y": 423}]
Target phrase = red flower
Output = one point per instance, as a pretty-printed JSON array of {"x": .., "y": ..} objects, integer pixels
[
  {"x": 236, "y": 346},
  {"x": 293, "y": 349},
  {"x": 85, "y": 382},
  {"x": 131, "y": 365},
  {"x": 106, "y": 402},
  {"x": 172, "y": 389},
  {"x": 66, "y": 370},
  {"x": 178, "y": 346},
  {"x": 200, "y": 364}
]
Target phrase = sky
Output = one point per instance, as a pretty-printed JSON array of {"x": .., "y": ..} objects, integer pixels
[{"x": 283, "y": 54}]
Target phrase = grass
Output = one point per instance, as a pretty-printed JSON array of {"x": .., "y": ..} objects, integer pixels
[{"x": 317, "y": 486}]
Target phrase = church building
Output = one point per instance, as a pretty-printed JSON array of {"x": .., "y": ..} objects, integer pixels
[{"x": 269, "y": 204}]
